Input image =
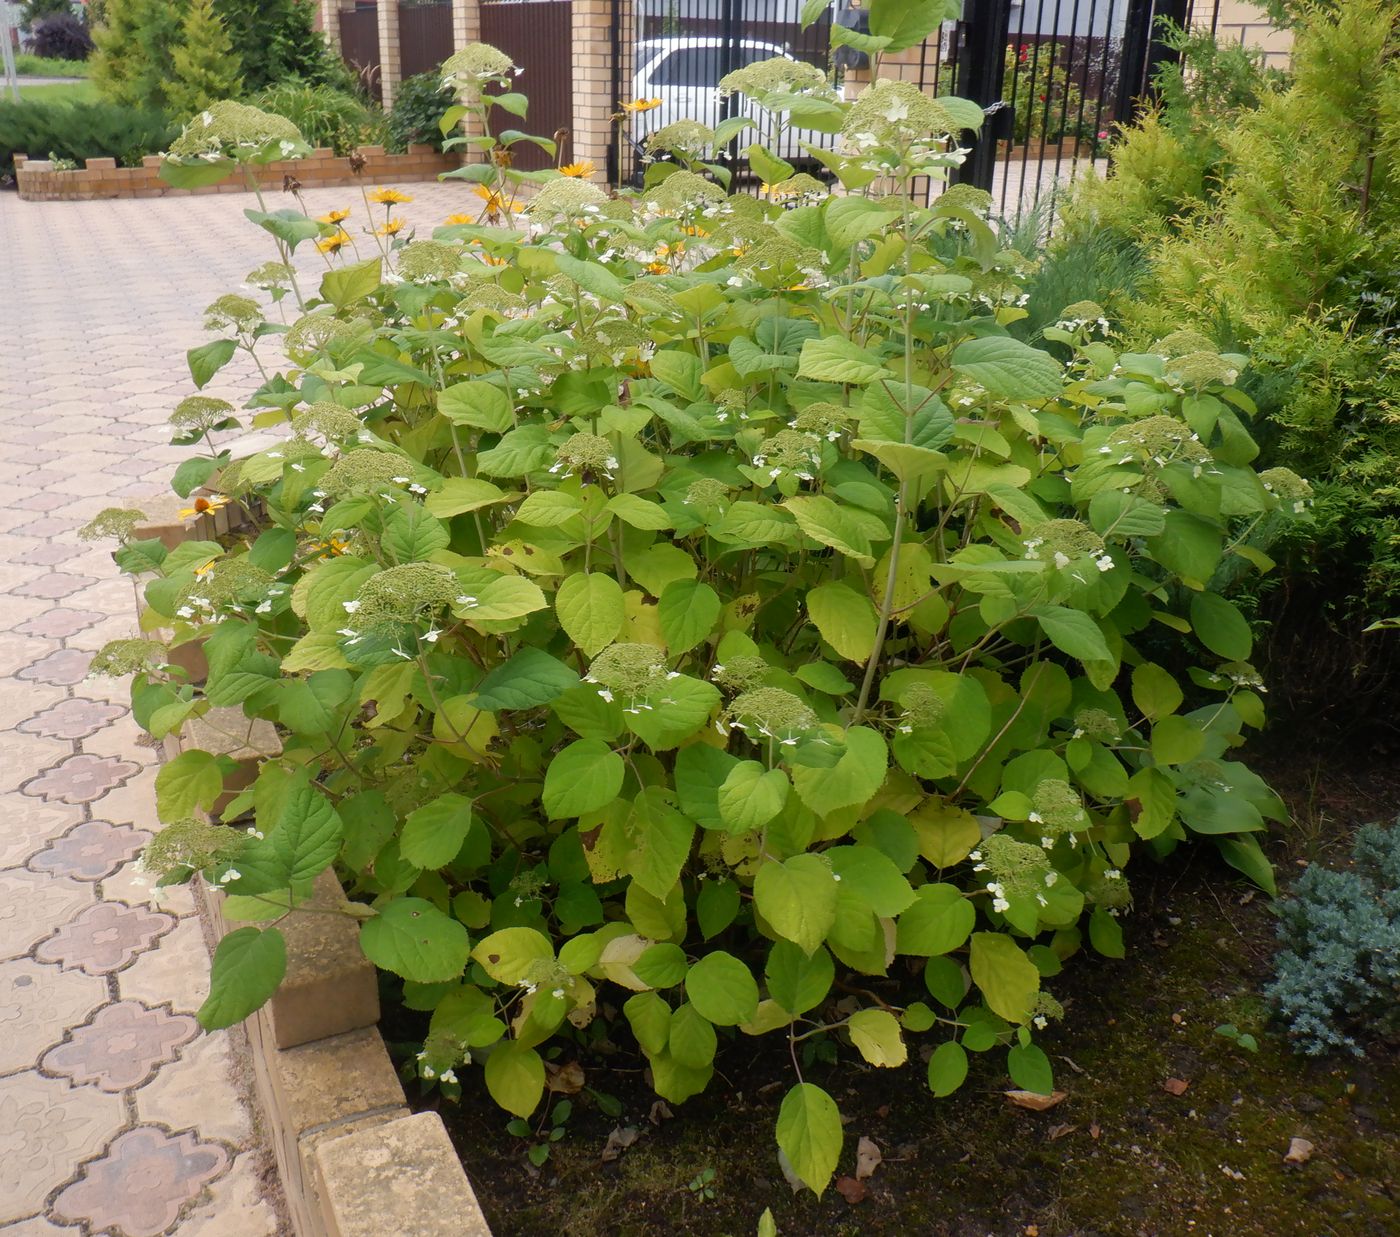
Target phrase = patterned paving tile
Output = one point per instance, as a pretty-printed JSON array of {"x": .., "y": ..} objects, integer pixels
[
  {"x": 27, "y": 756},
  {"x": 123, "y": 1047},
  {"x": 47, "y": 1128},
  {"x": 31, "y": 825},
  {"x": 64, "y": 667},
  {"x": 139, "y": 1186},
  {"x": 82, "y": 778},
  {"x": 91, "y": 851},
  {"x": 54, "y": 586},
  {"x": 37, "y": 1003},
  {"x": 73, "y": 718},
  {"x": 30, "y": 906},
  {"x": 20, "y": 653},
  {"x": 104, "y": 938},
  {"x": 60, "y": 622}
]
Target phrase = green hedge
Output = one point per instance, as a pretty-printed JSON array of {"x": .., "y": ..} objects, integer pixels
[{"x": 81, "y": 131}]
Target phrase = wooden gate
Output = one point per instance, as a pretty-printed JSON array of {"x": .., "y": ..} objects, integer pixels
[
  {"x": 425, "y": 35},
  {"x": 537, "y": 35},
  {"x": 359, "y": 44}
]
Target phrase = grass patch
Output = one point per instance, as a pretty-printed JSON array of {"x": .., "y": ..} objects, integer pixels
[
  {"x": 66, "y": 92},
  {"x": 47, "y": 66}
]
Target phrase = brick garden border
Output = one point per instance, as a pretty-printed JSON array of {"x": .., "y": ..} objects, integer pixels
[
  {"x": 100, "y": 179},
  {"x": 353, "y": 1160}
]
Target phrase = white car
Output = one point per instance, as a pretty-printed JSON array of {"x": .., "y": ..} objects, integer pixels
[{"x": 684, "y": 73}]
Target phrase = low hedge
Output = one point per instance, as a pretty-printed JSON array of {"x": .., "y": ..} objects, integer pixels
[{"x": 81, "y": 131}]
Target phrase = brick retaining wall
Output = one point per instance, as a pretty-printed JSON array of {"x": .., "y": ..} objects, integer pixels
[{"x": 102, "y": 178}]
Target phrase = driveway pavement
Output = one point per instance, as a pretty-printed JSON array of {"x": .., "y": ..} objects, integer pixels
[{"x": 118, "y": 1115}]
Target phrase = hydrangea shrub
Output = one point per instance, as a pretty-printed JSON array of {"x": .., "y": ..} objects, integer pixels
[{"x": 678, "y": 608}]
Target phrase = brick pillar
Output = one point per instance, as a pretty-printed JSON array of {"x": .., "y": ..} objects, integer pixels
[
  {"x": 594, "y": 104},
  {"x": 329, "y": 23},
  {"x": 390, "y": 68},
  {"x": 466, "y": 23}
]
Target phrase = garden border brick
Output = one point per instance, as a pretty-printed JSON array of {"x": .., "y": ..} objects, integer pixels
[{"x": 99, "y": 179}]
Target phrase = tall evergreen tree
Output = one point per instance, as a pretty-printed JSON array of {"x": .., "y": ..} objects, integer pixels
[
  {"x": 134, "y": 62},
  {"x": 277, "y": 40},
  {"x": 207, "y": 68}
]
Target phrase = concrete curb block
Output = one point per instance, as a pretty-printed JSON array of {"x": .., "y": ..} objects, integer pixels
[{"x": 354, "y": 1161}]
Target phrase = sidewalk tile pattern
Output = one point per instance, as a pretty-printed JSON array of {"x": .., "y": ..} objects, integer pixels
[{"x": 119, "y": 1117}]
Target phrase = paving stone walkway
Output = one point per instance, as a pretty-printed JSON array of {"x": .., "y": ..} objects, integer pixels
[{"x": 118, "y": 1115}]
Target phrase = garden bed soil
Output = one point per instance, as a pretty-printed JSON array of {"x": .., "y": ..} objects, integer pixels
[{"x": 1120, "y": 1155}]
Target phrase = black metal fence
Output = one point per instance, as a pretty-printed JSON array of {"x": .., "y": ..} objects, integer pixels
[{"x": 1055, "y": 76}]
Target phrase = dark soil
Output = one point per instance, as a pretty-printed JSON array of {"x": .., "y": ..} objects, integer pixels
[{"x": 1121, "y": 1155}]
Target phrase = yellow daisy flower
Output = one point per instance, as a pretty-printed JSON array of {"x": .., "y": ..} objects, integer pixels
[
  {"x": 334, "y": 244},
  {"x": 658, "y": 268},
  {"x": 205, "y": 506},
  {"x": 392, "y": 227},
  {"x": 584, "y": 167},
  {"x": 335, "y": 216},
  {"x": 389, "y": 197},
  {"x": 457, "y": 218},
  {"x": 641, "y": 105}
]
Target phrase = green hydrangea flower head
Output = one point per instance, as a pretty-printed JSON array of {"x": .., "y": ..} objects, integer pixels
[
  {"x": 567, "y": 197},
  {"x": 229, "y": 130},
  {"x": 131, "y": 656},
  {"x": 117, "y": 522},
  {"x": 1182, "y": 343},
  {"x": 327, "y": 420},
  {"x": 790, "y": 451},
  {"x": 475, "y": 66},
  {"x": 689, "y": 137},
  {"x": 1198, "y": 370},
  {"x": 781, "y": 256},
  {"x": 232, "y": 312},
  {"x": 1159, "y": 438},
  {"x": 772, "y": 713},
  {"x": 1013, "y": 869},
  {"x": 706, "y": 495},
  {"x": 1292, "y": 491},
  {"x": 922, "y": 707},
  {"x": 1063, "y": 541},
  {"x": 682, "y": 191},
  {"x": 739, "y": 674},
  {"x": 828, "y": 421},
  {"x": 199, "y": 414},
  {"x": 190, "y": 845},
  {"x": 270, "y": 276},
  {"x": 965, "y": 197},
  {"x": 1096, "y": 724},
  {"x": 778, "y": 75},
  {"x": 802, "y": 185},
  {"x": 589, "y": 454},
  {"x": 1058, "y": 811},
  {"x": 895, "y": 113},
  {"x": 632, "y": 671},
  {"x": 1110, "y": 890},
  {"x": 322, "y": 331},
  {"x": 365, "y": 471},
  {"x": 403, "y": 594},
  {"x": 429, "y": 261},
  {"x": 230, "y": 582}
]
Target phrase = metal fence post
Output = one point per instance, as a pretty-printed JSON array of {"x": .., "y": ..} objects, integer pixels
[{"x": 981, "y": 74}]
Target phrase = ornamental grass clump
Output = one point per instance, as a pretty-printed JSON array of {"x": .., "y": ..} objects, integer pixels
[{"x": 803, "y": 638}]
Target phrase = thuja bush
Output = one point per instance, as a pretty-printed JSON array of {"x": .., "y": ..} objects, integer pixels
[{"x": 679, "y": 609}]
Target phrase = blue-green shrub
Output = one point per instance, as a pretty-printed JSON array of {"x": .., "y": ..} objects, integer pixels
[{"x": 1338, "y": 975}]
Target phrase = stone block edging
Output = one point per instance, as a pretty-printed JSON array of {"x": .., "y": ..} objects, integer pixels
[
  {"x": 353, "y": 1160},
  {"x": 98, "y": 179}
]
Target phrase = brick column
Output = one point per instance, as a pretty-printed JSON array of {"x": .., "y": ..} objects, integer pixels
[
  {"x": 466, "y": 23},
  {"x": 390, "y": 68},
  {"x": 593, "y": 131}
]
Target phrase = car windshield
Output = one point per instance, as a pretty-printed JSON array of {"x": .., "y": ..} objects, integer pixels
[{"x": 704, "y": 66}]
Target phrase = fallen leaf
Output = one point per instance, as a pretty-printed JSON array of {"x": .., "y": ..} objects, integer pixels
[
  {"x": 851, "y": 1190},
  {"x": 1059, "y": 1131},
  {"x": 1233, "y": 1174},
  {"x": 1175, "y": 1086},
  {"x": 868, "y": 1159},
  {"x": 564, "y": 1079},
  {"x": 660, "y": 1111},
  {"x": 1034, "y": 1100},
  {"x": 1095, "y": 1129},
  {"x": 622, "y": 1137},
  {"x": 1299, "y": 1151},
  {"x": 1031, "y": 1230}
]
